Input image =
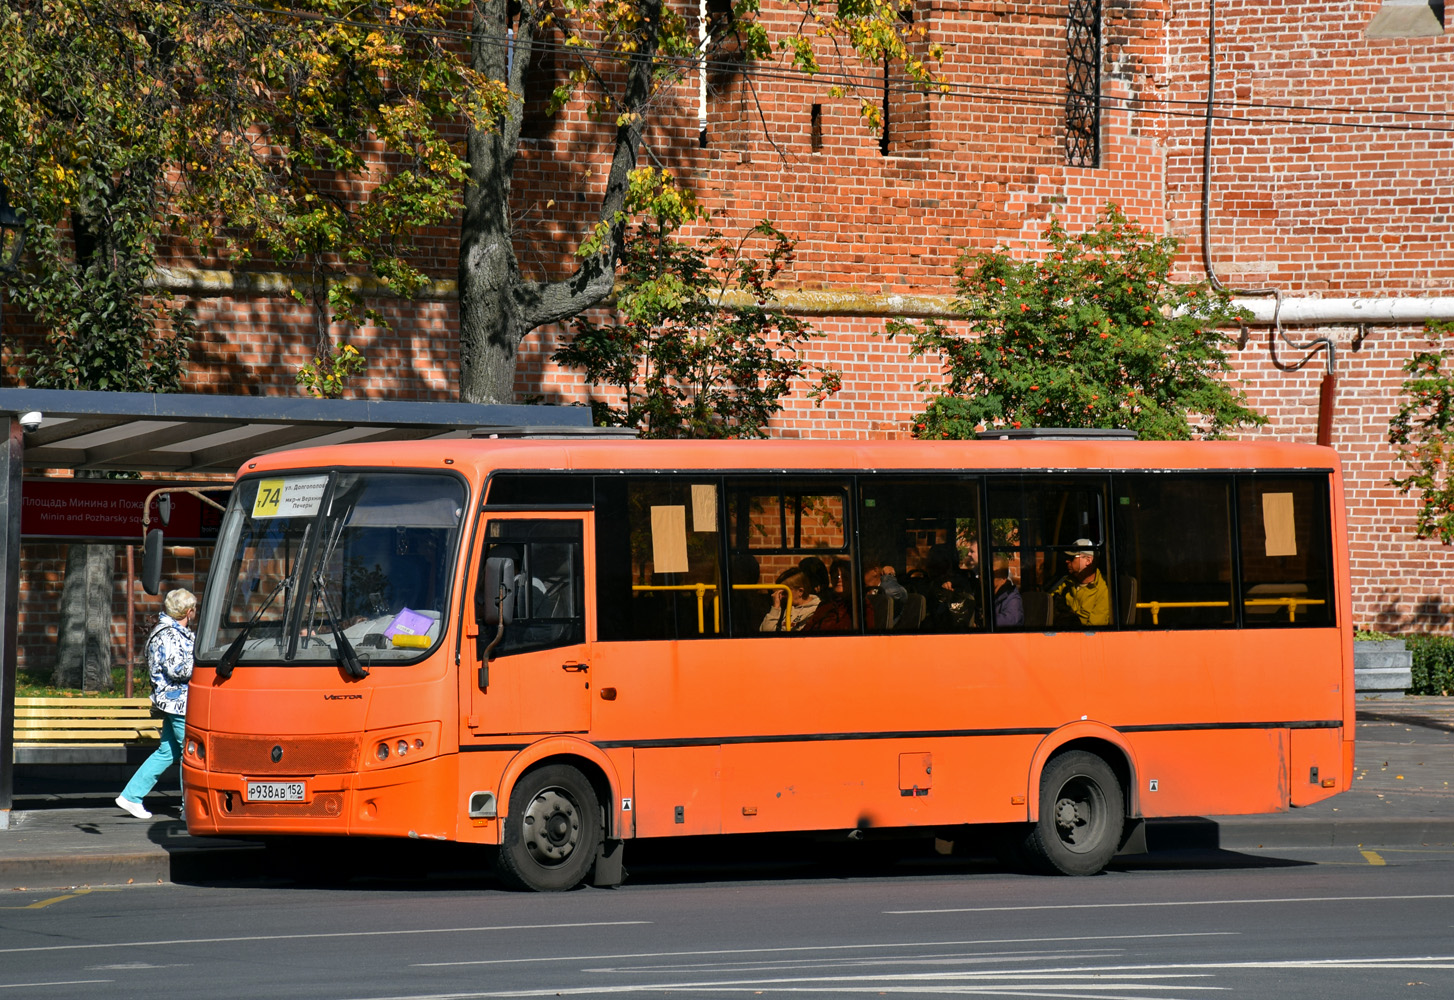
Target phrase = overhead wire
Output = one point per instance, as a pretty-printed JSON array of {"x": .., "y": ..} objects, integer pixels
[{"x": 1022, "y": 97}]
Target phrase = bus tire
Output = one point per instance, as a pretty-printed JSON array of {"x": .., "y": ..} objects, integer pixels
[
  {"x": 553, "y": 832},
  {"x": 1082, "y": 814}
]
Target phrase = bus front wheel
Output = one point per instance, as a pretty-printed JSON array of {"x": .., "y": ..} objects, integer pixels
[
  {"x": 553, "y": 832},
  {"x": 1082, "y": 814}
]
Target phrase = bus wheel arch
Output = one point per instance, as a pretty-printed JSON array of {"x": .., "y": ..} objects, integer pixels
[
  {"x": 590, "y": 761},
  {"x": 553, "y": 833},
  {"x": 1082, "y": 807}
]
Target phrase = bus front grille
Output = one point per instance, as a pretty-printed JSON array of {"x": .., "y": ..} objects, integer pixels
[{"x": 267, "y": 755}]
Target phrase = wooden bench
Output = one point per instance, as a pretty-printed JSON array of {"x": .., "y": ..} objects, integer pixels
[{"x": 84, "y": 730}]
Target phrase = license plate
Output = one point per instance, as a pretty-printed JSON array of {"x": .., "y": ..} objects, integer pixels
[{"x": 275, "y": 791}]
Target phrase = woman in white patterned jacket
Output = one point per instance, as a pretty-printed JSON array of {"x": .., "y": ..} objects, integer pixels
[{"x": 169, "y": 657}]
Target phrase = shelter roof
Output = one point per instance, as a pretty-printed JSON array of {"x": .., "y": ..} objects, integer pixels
[{"x": 188, "y": 434}]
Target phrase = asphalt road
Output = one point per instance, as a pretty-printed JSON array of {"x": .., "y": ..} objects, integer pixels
[{"x": 1317, "y": 922}]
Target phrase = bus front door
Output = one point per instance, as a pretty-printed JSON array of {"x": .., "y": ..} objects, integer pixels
[{"x": 533, "y": 676}]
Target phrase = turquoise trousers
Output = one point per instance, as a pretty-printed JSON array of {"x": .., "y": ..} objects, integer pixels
[{"x": 167, "y": 753}]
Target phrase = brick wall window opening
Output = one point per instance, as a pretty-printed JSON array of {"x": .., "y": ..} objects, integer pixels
[
  {"x": 717, "y": 50},
  {"x": 905, "y": 130},
  {"x": 1083, "y": 84},
  {"x": 815, "y": 128}
]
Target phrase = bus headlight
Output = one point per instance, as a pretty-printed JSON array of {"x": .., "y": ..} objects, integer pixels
[{"x": 391, "y": 749}]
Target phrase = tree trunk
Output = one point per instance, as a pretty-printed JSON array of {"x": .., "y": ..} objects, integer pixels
[
  {"x": 498, "y": 307},
  {"x": 83, "y": 649}
]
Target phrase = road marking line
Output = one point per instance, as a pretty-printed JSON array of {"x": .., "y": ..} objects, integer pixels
[
  {"x": 62, "y": 982},
  {"x": 829, "y": 947},
  {"x": 1189, "y": 902},
  {"x": 43, "y": 903},
  {"x": 1042, "y": 981},
  {"x": 1372, "y": 858},
  {"x": 179, "y": 942}
]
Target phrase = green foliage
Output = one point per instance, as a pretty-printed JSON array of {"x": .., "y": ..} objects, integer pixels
[
  {"x": 1423, "y": 433},
  {"x": 1433, "y": 665},
  {"x": 1093, "y": 334},
  {"x": 874, "y": 31},
  {"x": 311, "y": 132},
  {"x": 104, "y": 335},
  {"x": 324, "y": 377},
  {"x": 687, "y": 362}
]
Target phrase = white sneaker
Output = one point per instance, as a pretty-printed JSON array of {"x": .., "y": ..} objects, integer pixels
[{"x": 135, "y": 808}]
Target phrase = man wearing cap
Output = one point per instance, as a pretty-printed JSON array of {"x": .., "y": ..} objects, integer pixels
[{"x": 1083, "y": 592}]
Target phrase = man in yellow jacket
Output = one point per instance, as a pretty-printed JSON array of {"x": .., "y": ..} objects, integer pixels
[{"x": 1083, "y": 596}]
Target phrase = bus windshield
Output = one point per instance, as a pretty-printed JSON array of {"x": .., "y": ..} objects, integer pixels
[{"x": 302, "y": 557}]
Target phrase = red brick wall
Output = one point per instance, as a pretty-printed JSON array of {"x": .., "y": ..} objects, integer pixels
[{"x": 1317, "y": 188}]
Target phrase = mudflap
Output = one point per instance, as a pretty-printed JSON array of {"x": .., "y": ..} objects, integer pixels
[
  {"x": 1133, "y": 838},
  {"x": 610, "y": 871}
]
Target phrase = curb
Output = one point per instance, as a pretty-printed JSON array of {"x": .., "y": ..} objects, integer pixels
[
  {"x": 188, "y": 864},
  {"x": 1234, "y": 832}
]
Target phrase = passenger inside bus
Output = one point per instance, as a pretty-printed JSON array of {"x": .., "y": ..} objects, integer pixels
[
  {"x": 835, "y": 604},
  {"x": 1082, "y": 596},
  {"x": 804, "y": 603},
  {"x": 949, "y": 591},
  {"x": 1008, "y": 607}
]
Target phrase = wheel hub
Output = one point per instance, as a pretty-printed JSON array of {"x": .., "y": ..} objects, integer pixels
[{"x": 552, "y": 826}]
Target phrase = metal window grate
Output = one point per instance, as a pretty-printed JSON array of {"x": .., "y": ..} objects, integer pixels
[{"x": 1083, "y": 84}]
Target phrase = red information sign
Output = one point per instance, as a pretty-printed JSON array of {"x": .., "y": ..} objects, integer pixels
[{"x": 110, "y": 510}]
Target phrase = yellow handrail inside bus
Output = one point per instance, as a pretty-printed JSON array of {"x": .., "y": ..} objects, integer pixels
[
  {"x": 700, "y": 589},
  {"x": 1291, "y": 603},
  {"x": 1155, "y": 606}
]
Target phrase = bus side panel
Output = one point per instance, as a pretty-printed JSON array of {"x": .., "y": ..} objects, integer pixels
[
  {"x": 1213, "y": 773},
  {"x": 678, "y": 791},
  {"x": 479, "y": 773},
  {"x": 872, "y": 784},
  {"x": 1317, "y": 756}
]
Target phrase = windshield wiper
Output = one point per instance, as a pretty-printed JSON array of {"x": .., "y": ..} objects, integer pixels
[
  {"x": 234, "y": 651},
  {"x": 348, "y": 658}
]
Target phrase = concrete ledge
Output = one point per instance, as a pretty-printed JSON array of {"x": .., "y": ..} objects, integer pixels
[
  {"x": 222, "y": 861},
  {"x": 1235, "y": 832}
]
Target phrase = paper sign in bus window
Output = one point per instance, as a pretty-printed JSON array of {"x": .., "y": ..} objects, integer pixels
[
  {"x": 296, "y": 496},
  {"x": 1278, "y": 524},
  {"x": 669, "y": 539},
  {"x": 704, "y": 507}
]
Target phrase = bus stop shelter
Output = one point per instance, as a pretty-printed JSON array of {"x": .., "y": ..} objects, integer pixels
[{"x": 186, "y": 437}]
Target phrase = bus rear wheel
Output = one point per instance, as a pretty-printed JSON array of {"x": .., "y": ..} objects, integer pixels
[
  {"x": 553, "y": 832},
  {"x": 1082, "y": 815}
]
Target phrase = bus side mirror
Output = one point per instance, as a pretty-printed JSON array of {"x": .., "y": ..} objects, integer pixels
[
  {"x": 495, "y": 607},
  {"x": 151, "y": 562}
]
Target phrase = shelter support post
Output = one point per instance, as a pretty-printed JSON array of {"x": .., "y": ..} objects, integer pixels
[{"x": 10, "y": 504}]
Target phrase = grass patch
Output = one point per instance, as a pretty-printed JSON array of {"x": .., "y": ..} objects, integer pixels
[{"x": 36, "y": 683}]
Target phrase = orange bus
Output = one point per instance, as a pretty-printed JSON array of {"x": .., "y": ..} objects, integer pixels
[{"x": 553, "y": 646}]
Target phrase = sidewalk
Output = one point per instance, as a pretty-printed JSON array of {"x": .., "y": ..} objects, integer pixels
[{"x": 1401, "y": 797}]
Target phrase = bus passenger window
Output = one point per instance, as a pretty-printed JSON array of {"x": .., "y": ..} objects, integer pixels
[
  {"x": 1174, "y": 551},
  {"x": 1047, "y": 547},
  {"x": 786, "y": 539},
  {"x": 1286, "y": 580},
  {"x": 657, "y": 558},
  {"x": 921, "y": 548}
]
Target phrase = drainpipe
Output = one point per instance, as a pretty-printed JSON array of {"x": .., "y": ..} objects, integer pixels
[
  {"x": 1402, "y": 311},
  {"x": 1327, "y": 391}
]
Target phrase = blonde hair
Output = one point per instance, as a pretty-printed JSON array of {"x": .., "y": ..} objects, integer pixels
[{"x": 178, "y": 602}]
